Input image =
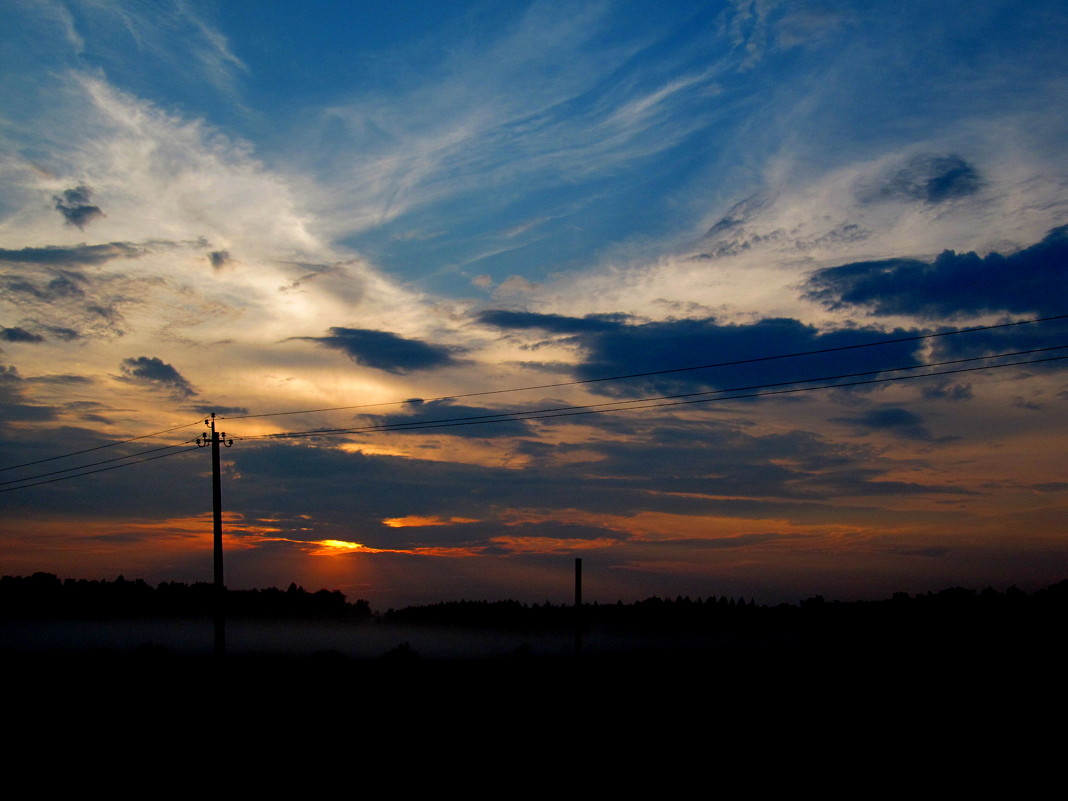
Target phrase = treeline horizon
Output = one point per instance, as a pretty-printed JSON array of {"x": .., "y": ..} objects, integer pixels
[{"x": 45, "y": 595}]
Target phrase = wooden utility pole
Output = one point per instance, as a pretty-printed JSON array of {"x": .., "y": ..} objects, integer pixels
[
  {"x": 578, "y": 606},
  {"x": 216, "y": 439}
]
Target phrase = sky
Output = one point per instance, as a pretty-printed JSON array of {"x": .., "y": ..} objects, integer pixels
[{"x": 365, "y": 220}]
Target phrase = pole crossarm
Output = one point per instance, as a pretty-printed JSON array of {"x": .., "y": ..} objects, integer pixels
[{"x": 215, "y": 439}]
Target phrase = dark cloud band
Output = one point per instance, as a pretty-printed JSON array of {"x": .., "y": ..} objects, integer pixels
[
  {"x": 75, "y": 207},
  {"x": 930, "y": 179},
  {"x": 612, "y": 346},
  {"x": 152, "y": 372},
  {"x": 17, "y": 334},
  {"x": 387, "y": 351},
  {"x": 1033, "y": 280}
]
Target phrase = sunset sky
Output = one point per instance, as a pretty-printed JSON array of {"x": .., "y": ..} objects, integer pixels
[{"x": 349, "y": 215}]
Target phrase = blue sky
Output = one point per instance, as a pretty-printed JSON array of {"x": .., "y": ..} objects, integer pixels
[{"x": 252, "y": 208}]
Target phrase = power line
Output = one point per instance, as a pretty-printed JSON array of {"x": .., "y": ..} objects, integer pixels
[
  {"x": 100, "y": 447},
  {"x": 692, "y": 397},
  {"x": 829, "y": 386},
  {"x": 94, "y": 464},
  {"x": 598, "y": 408},
  {"x": 101, "y": 470},
  {"x": 633, "y": 404},
  {"x": 755, "y": 360}
]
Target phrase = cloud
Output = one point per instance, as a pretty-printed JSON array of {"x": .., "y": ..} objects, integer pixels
[
  {"x": 219, "y": 258},
  {"x": 738, "y": 215},
  {"x": 387, "y": 351},
  {"x": 894, "y": 420},
  {"x": 74, "y": 205},
  {"x": 934, "y": 552},
  {"x": 14, "y": 403},
  {"x": 208, "y": 408},
  {"x": 515, "y": 285},
  {"x": 61, "y": 332},
  {"x": 17, "y": 334},
  {"x": 713, "y": 469},
  {"x": 67, "y": 379},
  {"x": 181, "y": 178},
  {"x": 67, "y": 293},
  {"x": 425, "y": 520},
  {"x": 94, "y": 304},
  {"x": 537, "y": 108},
  {"x": 927, "y": 178},
  {"x": 139, "y": 43},
  {"x": 611, "y": 345},
  {"x": 315, "y": 272},
  {"x": 1051, "y": 486},
  {"x": 76, "y": 256},
  {"x": 152, "y": 372},
  {"x": 1033, "y": 280},
  {"x": 947, "y": 390},
  {"x": 737, "y": 541},
  {"x": 63, "y": 284},
  {"x": 1011, "y": 339},
  {"x": 459, "y": 421},
  {"x": 553, "y": 323}
]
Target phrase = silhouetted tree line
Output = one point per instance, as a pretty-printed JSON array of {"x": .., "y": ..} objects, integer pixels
[
  {"x": 44, "y": 595},
  {"x": 955, "y": 612},
  {"x": 952, "y": 613}
]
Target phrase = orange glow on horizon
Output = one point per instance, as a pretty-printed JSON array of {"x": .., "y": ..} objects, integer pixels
[
  {"x": 344, "y": 548},
  {"x": 552, "y": 544},
  {"x": 415, "y": 521},
  {"x": 445, "y": 552},
  {"x": 368, "y": 449},
  {"x": 656, "y": 526},
  {"x": 343, "y": 545}
]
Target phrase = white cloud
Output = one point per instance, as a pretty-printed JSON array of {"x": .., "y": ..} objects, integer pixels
[
  {"x": 754, "y": 266},
  {"x": 177, "y": 190},
  {"x": 514, "y": 285},
  {"x": 531, "y": 108},
  {"x": 171, "y": 37}
]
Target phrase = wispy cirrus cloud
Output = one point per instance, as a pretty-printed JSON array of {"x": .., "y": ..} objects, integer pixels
[
  {"x": 623, "y": 188},
  {"x": 159, "y": 37},
  {"x": 74, "y": 304},
  {"x": 435, "y": 143}
]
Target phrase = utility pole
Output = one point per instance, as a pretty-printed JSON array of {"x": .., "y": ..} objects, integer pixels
[
  {"x": 216, "y": 438},
  {"x": 578, "y": 607}
]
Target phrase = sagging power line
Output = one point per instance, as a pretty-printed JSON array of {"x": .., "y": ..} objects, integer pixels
[
  {"x": 633, "y": 404},
  {"x": 99, "y": 447},
  {"x": 217, "y": 439},
  {"x": 606, "y": 407},
  {"x": 99, "y": 470},
  {"x": 93, "y": 464},
  {"x": 736, "y": 363},
  {"x": 544, "y": 413}
]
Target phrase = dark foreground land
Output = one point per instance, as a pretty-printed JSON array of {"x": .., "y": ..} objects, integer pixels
[
  {"x": 959, "y": 660},
  {"x": 816, "y": 710}
]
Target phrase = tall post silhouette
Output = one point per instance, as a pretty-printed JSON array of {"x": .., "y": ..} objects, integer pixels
[
  {"x": 216, "y": 439},
  {"x": 578, "y": 606}
]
